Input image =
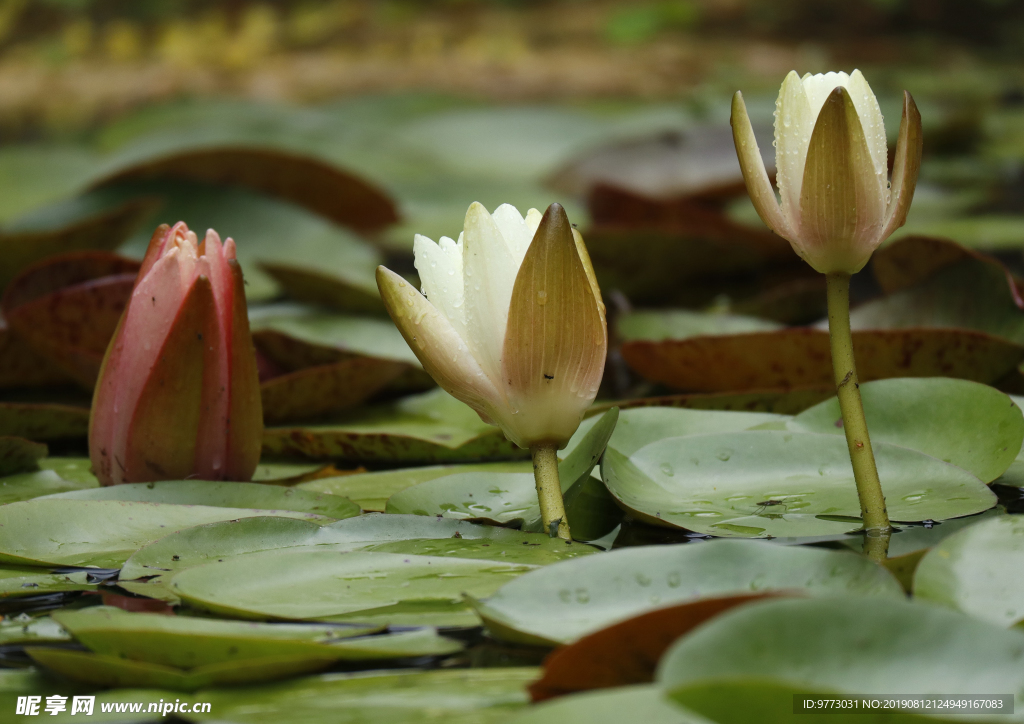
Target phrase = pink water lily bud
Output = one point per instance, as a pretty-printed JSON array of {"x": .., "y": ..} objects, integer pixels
[
  {"x": 837, "y": 200},
  {"x": 512, "y": 322},
  {"x": 178, "y": 395}
]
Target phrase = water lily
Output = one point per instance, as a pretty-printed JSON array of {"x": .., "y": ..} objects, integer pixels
[
  {"x": 178, "y": 394},
  {"x": 837, "y": 206},
  {"x": 512, "y": 324}
]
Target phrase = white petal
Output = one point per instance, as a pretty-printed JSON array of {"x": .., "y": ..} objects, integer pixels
[
  {"x": 794, "y": 123},
  {"x": 817, "y": 87},
  {"x": 440, "y": 270},
  {"x": 874, "y": 126},
  {"x": 533, "y": 218},
  {"x": 514, "y": 230},
  {"x": 489, "y": 275}
]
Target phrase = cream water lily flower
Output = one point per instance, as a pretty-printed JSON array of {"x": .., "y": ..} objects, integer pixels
[
  {"x": 512, "y": 324},
  {"x": 831, "y": 160}
]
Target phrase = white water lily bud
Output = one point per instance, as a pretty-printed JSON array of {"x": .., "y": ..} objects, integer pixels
[
  {"x": 512, "y": 323},
  {"x": 831, "y": 158}
]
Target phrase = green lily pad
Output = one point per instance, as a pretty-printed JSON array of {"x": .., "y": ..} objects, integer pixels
[
  {"x": 16, "y": 582},
  {"x": 365, "y": 336},
  {"x": 645, "y": 702},
  {"x": 682, "y": 323},
  {"x": 853, "y": 646},
  {"x": 101, "y": 533},
  {"x": 222, "y": 495},
  {"x": 40, "y": 421},
  {"x": 973, "y": 571},
  {"x": 561, "y": 603},
  {"x": 273, "y": 472},
  {"x": 432, "y": 427},
  {"x": 779, "y": 484},
  {"x": 371, "y": 491},
  {"x": 642, "y": 425},
  {"x": 228, "y": 540},
  {"x": 187, "y": 642},
  {"x": 512, "y": 497},
  {"x": 25, "y": 630},
  {"x": 455, "y": 696},
  {"x": 58, "y": 475},
  {"x": 113, "y": 671},
  {"x": 738, "y": 701},
  {"x": 970, "y": 425},
  {"x": 358, "y": 586}
]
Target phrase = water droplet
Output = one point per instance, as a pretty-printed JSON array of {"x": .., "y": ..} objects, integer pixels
[
  {"x": 724, "y": 455},
  {"x": 582, "y": 595},
  {"x": 667, "y": 469},
  {"x": 674, "y": 579},
  {"x": 566, "y": 595},
  {"x": 542, "y": 297},
  {"x": 642, "y": 579}
]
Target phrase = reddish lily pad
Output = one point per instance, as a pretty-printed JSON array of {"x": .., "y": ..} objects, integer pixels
[
  {"x": 913, "y": 259},
  {"x": 802, "y": 357},
  {"x": 67, "y": 308},
  {"x": 627, "y": 652},
  {"x": 303, "y": 180},
  {"x": 781, "y": 401},
  {"x": 315, "y": 391},
  {"x": 21, "y": 366}
]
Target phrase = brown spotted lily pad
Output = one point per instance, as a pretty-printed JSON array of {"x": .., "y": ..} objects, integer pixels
[{"x": 801, "y": 357}]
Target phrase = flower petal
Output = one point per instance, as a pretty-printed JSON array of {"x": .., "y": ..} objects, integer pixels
[
  {"x": 556, "y": 342},
  {"x": 905, "y": 166},
  {"x": 433, "y": 339},
  {"x": 794, "y": 123},
  {"x": 163, "y": 428},
  {"x": 758, "y": 186},
  {"x": 874, "y": 127},
  {"x": 514, "y": 230},
  {"x": 841, "y": 205},
  {"x": 489, "y": 274},
  {"x": 245, "y": 407},
  {"x": 440, "y": 270}
]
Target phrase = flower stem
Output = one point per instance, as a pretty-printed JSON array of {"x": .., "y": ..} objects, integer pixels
[
  {"x": 549, "y": 491},
  {"x": 869, "y": 488}
]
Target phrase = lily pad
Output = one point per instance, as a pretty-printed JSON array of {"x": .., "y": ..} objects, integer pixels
[
  {"x": 971, "y": 571},
  {"x": 562, "y": 603},
  {"x": 970, "y": 425},
  {"x": 16, "y": 582},
  {"x": 738, "y": 701},
  {"x": 18, "y": 455},
  {"x": 853, "y": 646},
  {"x": 187, "y": 642},
  {"x": 222, "y": 495},
  {"x": 371, "y": 491},
  {"x": 432, "y": 427},
  {"x": 775, "y": 483},
  {"x": 227, "y": 540},
  {"x": 315, "y": 391},
  {"x": 113, "y": 671},
  {"x": 357, "y": 586},
  {"x": 512, "y": 497},
  {"x": 43, "y": 421},
  {"x": 57, "y": 475},
  {"x": 25, "y": 630},
  {"x": 801, "y": 357},
  {"x": 681, "y": 324},
  {"x": 330, "y": 290},
  {"x": 101, "y": 533},
  {"x": 328, "y": 332},
  {"x": 454, "y": 696},
  {"x": 646, "y": 702}
]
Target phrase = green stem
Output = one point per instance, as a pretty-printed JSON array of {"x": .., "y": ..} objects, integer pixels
[
  {"x": 876, "y": 544},
  {"x": 549, "y": 491},
  {"x": 869, "y": 488}
]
